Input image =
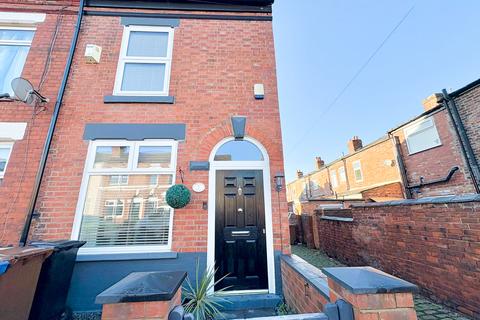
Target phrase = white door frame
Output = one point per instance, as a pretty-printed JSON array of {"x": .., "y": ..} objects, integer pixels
[{"x": 242, "y": 165}]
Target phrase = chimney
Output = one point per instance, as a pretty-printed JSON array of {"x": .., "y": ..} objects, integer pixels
[
  {"x": 354, "y": 144},
  {"x": 319, "y": 163},
  {"x": 299, "y": 173},
  {"x": 432, "y": 101}
]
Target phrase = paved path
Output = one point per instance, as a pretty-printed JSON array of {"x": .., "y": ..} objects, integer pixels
[{"x": 426, "y": 309}]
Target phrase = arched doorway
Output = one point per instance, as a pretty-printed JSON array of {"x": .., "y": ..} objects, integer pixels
[{"x": 240, "y": 237}]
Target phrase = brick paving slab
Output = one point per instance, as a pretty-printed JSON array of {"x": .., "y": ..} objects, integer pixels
[{"x": 426, "y": 309}]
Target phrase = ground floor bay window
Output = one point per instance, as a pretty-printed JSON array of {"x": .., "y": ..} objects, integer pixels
[{"x": 122, "y": 205}]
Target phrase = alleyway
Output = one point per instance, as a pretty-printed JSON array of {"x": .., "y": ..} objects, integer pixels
[{"x": 426, "y": 309}]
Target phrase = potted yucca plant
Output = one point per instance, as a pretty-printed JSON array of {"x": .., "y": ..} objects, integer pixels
[{"x": 198, "y": 300}]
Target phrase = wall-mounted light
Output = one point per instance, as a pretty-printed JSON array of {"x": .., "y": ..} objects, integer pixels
[{"x": 279, "y": 178}]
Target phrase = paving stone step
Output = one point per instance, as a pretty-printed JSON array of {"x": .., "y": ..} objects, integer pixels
[{"x": 251, "y": 301}]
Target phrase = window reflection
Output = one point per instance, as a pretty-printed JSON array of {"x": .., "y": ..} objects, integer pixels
[
  {"x": 238, "y": 150},
  {"x": 130, "y": 213}
]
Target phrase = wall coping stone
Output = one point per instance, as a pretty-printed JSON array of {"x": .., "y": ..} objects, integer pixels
[
  {"x": 368, "y": 280},
  {"x": 427, "y": 200},
  {"x": 143, "y": 286},
  {"x": 303, "y": 316},
  {"x": 337, "y": 219},
  {"x": 311, "y": 274}
]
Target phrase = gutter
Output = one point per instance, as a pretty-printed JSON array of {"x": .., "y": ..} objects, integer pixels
[
  {"x": 429, "y": 112},
  {"x": 53, "y": 122},
  {"x": 441, "y": 180},
  {"x": 465, "y": 145},
  {"x": 460, "y": 91}
]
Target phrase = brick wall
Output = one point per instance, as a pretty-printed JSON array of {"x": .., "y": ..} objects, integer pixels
[
  {"x": 435, "y": 163},
  {"x": 434, "y": 245},
  {"x": 388, "y": 191},
  {"x": 215, "y": 65},
  {"x": 468, "y": 106},
  {"x": 307, "y": 290},
  {"x": 17, "y": 186},
  {"x": 300, "y": 296}
]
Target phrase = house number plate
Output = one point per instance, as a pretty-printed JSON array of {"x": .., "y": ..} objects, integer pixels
[{"x": 198, "y": 187}]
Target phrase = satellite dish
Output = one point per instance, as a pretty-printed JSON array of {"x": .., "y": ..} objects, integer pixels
[{"x": 25, "y": 92}]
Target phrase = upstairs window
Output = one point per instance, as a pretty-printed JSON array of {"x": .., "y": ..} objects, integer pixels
[
  {"x": 333, "y": 179},
  {"x": 5, "y": 151},
  {"x": 421, "y": 136},
  {"x": 14, "y": 46},
  {"x": 342, "y": 175},
  {"x": 145, "y": 61},
  {"x": 123, "y": 207},
  {"x": 357, "y": 171},
  {"x": 118, "y": 180}
]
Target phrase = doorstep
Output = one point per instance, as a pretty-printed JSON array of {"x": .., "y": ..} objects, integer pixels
[
  {"x": 239, "y": 302},
  {"x": 248, "y": 314}
]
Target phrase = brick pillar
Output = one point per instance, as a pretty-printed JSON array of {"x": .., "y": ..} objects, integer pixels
[
  {"x": 142, "y": 295},
  {"x": 152, "y": 310},
  {"x": 373, "y": 294},
  {"x": 307, "y": 226}
]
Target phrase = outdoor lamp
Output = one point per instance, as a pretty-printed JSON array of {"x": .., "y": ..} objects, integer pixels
[{"x": 279, "y": 177}]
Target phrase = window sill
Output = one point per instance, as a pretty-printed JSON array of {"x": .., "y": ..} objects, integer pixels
[
  {"x": 88, "y": 257},
  {"x": 139, "y": 99},
  {"x": 423, "y": 150}
]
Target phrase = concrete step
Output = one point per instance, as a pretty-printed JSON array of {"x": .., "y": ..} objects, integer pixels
[
  {"x": 246, "y": 314},
  {"x": 250, "y": 301}
]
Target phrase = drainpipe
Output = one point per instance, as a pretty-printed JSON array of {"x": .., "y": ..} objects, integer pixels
[
  {"x": 401, "y": 165},
  {"x": 51, "y": 129},
  {"x": 465, "y": 145},
  {"x": 347, "y": 180},
  {"x": 447, "y": 178}
]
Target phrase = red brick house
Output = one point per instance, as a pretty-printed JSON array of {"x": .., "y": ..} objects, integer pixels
[
  {"x": 366, "y": 173},
  {"x": 434, "y": 154},
  {"x": 34, "y": 43},
  {"x": 463, "y": 105},
  {"x": 433, "y": 158},
  {"x": 161, "y": 93}
]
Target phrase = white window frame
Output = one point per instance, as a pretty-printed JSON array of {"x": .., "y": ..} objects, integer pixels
[
  {"x": 115, "y": 205},
  {"x": 130, "y": 170},
  {"x": 412, "y": 130},
  {"x": 6, "y": 145},
  {"x": 17, "y": 43},
  {"x": 355, "y": 163},
  {"x": 123, "y": 59},
  {"x": 24, "y": 43},
  {"x": 120, "y": 182},
  {"x": 342, "y": 174},
  {"x": 333, "y": 178}
]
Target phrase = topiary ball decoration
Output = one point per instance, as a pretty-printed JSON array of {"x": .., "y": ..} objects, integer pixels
[{"x": 178, "y": 196}]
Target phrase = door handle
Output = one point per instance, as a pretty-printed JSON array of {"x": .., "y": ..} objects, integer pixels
[{"x": 240, "y": 210}]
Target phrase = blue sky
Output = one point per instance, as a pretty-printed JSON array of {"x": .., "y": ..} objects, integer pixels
[{"x": 320, "y": 45}]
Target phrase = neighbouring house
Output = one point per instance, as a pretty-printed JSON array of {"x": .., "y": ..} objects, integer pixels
[
  {"x": 366, "y": 173},
  {"x": 433, "y": 160},
  {"x": 162, "y": 93},
  {"x": 434, "y": 154},
  {"x": 464, "y": 107},
  {"x": 34, "y": 43}
]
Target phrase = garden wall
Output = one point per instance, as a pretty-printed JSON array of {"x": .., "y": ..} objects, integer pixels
[{"x": 434, "y": 243}]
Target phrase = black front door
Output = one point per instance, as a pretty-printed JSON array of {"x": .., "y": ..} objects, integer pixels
[{"x": 240, "y": 243}]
